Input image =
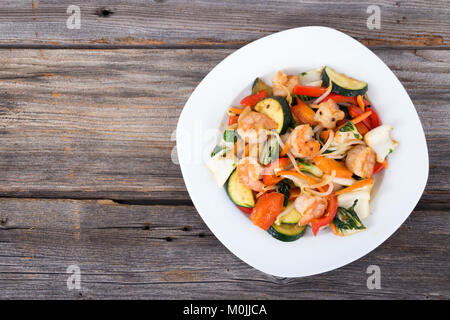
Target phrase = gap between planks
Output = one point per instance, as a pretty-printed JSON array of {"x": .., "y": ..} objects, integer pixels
[{"x": 218, "y": 46}]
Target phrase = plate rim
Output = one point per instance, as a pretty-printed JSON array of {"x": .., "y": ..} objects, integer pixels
[{"x": 386, "y": 235}]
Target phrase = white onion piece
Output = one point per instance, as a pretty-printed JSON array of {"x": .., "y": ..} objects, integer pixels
[{"x": 323, "y": 96}]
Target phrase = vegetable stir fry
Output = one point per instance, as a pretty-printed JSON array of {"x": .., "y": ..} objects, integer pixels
[{"x": 303, "y": 152}]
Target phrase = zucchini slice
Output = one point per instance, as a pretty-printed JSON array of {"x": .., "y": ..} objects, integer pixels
[
  {"x": 238, "y": 193},
  {"x": 342, "y": 84},
  {"x": 259, "y": 85},
  {"x": 276, "y": 108},
  {"x": 291, "y": 218},
  {"x": 286, "y": 232},
  {"x": 310, "y": 168}
]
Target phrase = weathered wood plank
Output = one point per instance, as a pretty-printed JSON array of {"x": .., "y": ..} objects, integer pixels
[
  {"x": 98, "y": 124},
  {"x": 167, "y": 252},
  {"x": 233, "y": 23}
]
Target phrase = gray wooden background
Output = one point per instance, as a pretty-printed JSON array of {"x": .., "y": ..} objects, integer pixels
[{"x": 86, "y": 120}]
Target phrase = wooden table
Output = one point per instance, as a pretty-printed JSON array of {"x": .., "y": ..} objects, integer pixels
[{"x": 86, "y": 123}]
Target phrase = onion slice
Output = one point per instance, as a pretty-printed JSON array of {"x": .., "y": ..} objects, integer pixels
[{"x": 324, "y": 95}]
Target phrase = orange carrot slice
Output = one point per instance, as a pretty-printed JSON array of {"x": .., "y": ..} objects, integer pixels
[
  {"x": 361, "y": 117},
  {"x": 360, "y": 101},
  {"x": 355, "y": 186},
  {"x": 329, "y": 165}
]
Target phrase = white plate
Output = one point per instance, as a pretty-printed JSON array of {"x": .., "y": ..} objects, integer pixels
[{"x": 396, "y": 193}]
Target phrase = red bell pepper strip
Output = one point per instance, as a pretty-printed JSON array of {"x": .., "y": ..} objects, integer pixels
[
  {"x": 245, "y": 210},
  {"x": 374, "y": 118},
  {"x": 252, "y": 100},
  {"x": 309, "y": 91},
  {"x": 233, "y": 120},
  {"x": 355, "y": 111},
  {"x": 328, "y": 217},
  {"x": 269, "y": 177},
  {"x": 362, "y": 129},
  {"x": 339, "y": 98},
  {"x": 380, "y": 166}
]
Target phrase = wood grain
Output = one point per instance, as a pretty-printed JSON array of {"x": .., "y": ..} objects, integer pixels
[
  {"x": 98, "y": 124},
  {"x": 175, "y": 23},
  {"x": 166, "y": 252}
]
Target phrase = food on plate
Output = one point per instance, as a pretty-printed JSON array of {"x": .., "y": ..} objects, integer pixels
[{"x": 303, "y": 152}]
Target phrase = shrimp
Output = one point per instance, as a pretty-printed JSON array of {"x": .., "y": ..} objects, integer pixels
[
  {"x": 283, "y": 85},
  {"x": 310, "y": 207},
  {"x": 251, "y": 122},
  {"x": 328, "y": 113},
  {"x": 301, "y": 142},
  {"x": 361, "y": 161},
  {"x": 249, "y": 172}
]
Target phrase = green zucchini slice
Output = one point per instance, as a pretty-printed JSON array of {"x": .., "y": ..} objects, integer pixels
[
  {"x": 342, "y": 84},
  {"x": 241, "y": 195},
  {"x": 277, "y": 109},
  {"x": 292, "y": 217},
  {"x": 286, "y": 232},
  {"x": 259, "y": 85}
]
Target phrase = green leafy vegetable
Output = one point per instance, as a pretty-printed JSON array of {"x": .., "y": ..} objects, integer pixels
[
  {"x": 350, "y": 127},
  {"x": 283, "y": 187},
  {"x": 347, "y": 221}
]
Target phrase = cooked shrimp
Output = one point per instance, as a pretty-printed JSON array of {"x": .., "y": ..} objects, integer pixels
[
  {"x": 361, "y": 161},
  {"x": 328, "y": 113},
  {"x": 301, "y": 142},
  {"x": 249, "y": 172},
  {"x": 283, "y": 84},
  {"x": 251, "y": 122},
  {"x": 310, "y": 207}
]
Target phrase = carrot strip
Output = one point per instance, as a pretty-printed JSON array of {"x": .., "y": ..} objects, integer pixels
[
  {"x": 329, "y": 165},
  {"x": 334, "y": 230},
  {"x": 235, "y": 110},
  {"x": 235, "y": 149},
  {"x": 361, "y": 104},
  {"x": 355, "y": 186},
  {"x": 325, "y": 134},
  {"x": 301, "y": 176},
  {"x": 247, "y": 149},
  {"x": 285, "y": 150},
  {"x": 361, "y": 117}
]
